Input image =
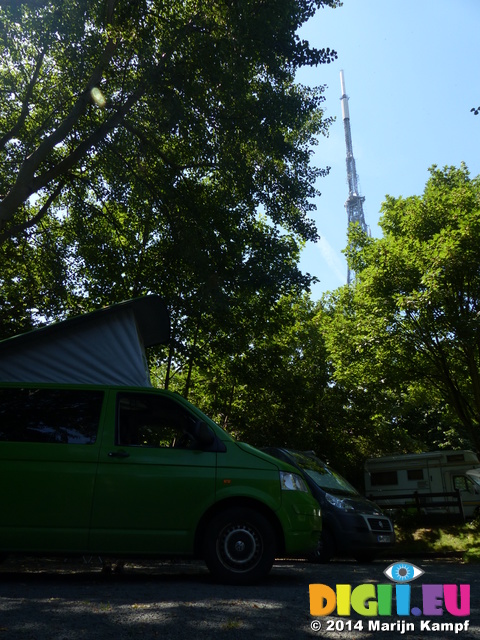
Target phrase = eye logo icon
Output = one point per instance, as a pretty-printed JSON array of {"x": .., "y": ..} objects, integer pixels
[{"x": 402, "y": 572}]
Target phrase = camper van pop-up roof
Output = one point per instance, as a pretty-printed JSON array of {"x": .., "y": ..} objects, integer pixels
[{"x": 106, "y": 346}]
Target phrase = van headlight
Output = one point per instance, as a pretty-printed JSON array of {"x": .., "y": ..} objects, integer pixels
[
  {"x": 292, "y": 482},
  {"x": 345, "y": 505}
]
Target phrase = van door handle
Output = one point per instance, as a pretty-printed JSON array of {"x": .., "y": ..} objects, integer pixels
[{"x": 118, "y": 454}]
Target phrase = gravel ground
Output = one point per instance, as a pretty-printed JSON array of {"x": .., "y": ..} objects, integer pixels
[{"x": 72, "y": 600}]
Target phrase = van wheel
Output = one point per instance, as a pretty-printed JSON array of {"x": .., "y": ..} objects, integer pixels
[
  {"x": 239, "y": 546},
  {"x": 325, "y": 550}
]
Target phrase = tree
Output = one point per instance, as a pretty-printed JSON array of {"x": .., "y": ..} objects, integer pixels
[
  {"x": 411, "y": 325},
  {"x": 269, "y": 389},
  {"x": 143, "y": 136},
  {"x": 80, "y": 76}
]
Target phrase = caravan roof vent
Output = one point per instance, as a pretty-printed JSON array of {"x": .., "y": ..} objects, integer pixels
[{"x": 456, "y": 457}]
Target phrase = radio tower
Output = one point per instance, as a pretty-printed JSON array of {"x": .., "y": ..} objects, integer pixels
[{"x": 354, "y": 202}]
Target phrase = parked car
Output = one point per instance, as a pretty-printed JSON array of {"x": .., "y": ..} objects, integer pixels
[{"x": 352, "y": 526}]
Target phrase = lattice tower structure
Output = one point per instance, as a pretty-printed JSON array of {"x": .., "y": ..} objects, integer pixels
[{"x": 354, "y": 202}]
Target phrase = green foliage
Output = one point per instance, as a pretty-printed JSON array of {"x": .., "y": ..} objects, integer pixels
[
  {"x": 462, "y": 540},
  {"x": 140, "y": 141},
  {"x": 269, "y": 389},
  {"x": 406, "y": 335},
  {"x": 192, "y": 90}
]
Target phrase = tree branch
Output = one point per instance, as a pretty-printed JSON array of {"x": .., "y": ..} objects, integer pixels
[
  {"x": 25, "y": 104},
  {"x": 25, "y": 185},
  {"x": 84, "y": 147},
  {"x": 19, "y": 228}
]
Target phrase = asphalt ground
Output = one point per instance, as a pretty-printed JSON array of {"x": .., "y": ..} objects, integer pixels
[{"x": 71, "y": 599}]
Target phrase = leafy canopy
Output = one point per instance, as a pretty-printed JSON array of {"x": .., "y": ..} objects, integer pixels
[
  {"x": 139, "y": 142},
  {"x": 412, "y": 316},
  {"x": 191, "y": 89}
]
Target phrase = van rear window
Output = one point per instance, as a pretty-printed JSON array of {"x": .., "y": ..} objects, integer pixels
[{"x": 63, "y": 416}]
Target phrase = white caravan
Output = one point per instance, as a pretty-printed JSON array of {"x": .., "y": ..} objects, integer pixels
[{"x": 394, "y": 480}]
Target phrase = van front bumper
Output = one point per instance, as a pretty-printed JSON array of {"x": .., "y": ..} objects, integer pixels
[{"x": 357, "y": 533}]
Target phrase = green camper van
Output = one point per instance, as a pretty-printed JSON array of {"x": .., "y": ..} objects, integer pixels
[{"x": 93, "y": 460}]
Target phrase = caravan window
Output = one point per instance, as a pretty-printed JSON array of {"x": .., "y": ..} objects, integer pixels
[
  {"x": 55, "y": 416},
  {"x": 379, "y": 478},
  {"x": 415, "y": 474}
]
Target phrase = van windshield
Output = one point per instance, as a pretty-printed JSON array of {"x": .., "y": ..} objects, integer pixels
[{"x": 323, "y": 475}]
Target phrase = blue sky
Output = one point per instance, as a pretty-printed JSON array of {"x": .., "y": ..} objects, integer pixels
[{"x": 412, "y": 74}]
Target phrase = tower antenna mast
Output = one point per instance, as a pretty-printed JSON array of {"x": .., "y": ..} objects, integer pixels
[{"x": 354, "y": 202}]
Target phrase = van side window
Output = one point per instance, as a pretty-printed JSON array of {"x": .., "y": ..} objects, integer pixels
[
  {"x": 149, "y": 420},
  {"x": 58, "y": 416}
]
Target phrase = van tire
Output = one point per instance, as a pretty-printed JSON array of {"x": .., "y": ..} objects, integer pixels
[
  {"x": 325, "y": 550},
  {"x": 239, "y": 546}
]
